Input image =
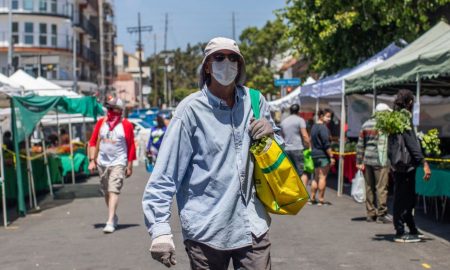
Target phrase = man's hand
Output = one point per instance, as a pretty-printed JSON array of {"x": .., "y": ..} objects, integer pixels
[
  {"x": 426, "y": 171},
  {"x": 361, "y": 167},
  {"x": 260, "y": 128},
  {"x": 163, "y": 250},
  {"x": 92, "y": 166},
  {"x": 332, "y": 162},
  {"x": 129, "y": 170}
]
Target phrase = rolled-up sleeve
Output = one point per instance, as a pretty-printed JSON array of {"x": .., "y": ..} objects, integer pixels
[{"x": 173, "y": 159}]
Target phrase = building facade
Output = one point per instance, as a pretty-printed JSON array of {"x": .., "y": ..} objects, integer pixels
[{"x": 45, "y": 34}]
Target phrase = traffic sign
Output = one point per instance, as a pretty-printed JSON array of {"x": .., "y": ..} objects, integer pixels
[{"x": 288, "y": 82}]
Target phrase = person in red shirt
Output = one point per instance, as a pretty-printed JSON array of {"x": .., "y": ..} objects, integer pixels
[{"x": 112, "y": 151}]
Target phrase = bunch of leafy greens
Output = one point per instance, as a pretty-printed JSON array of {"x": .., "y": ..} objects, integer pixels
[
  {"x": 393, "y": 122},
  {"x": 431, "y": 142},
  {"x": 260, "y": 145}
]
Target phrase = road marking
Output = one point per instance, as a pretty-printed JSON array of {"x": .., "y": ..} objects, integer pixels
[{"x": 426, "y": 266}]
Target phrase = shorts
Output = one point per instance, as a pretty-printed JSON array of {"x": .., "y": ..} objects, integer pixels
[
  {"x": 111, "y": 178},
  {"x": 321, "y": 162},
  {"x": 296, "y": 157}
]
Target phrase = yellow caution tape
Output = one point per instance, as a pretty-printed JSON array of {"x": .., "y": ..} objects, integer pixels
[
  {"x": 343, "y": 154},
  {"x": 438, "y": 159}
]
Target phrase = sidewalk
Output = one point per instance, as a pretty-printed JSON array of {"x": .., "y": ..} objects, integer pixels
[{"x": 68, "y": 235}]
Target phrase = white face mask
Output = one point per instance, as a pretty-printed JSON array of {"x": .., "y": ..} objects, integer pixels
[{"x": 225, "y": 72}]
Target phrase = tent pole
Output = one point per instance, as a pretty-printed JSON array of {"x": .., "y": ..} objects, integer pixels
[
  {"x": 374, "y": 95},
  {"x": 71, "y": 150},
  {"x": 30, "y": 175},
  {"x": 49, "y": 180},
  {"x": 317, "y": 109},
  {"x": 58, "y": 129},
  {"x": 84, "y": 129},
  {"x": 418, "y": 88},
  {"x": 342, "y": 144},
  {"x": 2, "y": 182}
]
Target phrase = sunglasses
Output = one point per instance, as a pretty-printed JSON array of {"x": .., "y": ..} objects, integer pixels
[{"x": 219, "y": 57}]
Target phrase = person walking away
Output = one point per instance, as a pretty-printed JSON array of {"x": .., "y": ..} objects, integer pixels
[
  {"x": 405, "y": 176},
  {"x": 371, "y": 158},
  {"x": 205, "y": 160},
  {"x": 112, "y": 151},
  {"x": 293, "y": 129},
  {"x": 156, "y": 137},
  {"x": 322, "y": 156}
]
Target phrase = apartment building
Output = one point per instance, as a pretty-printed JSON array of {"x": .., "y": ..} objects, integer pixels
[{"x": 45, "y": 33}]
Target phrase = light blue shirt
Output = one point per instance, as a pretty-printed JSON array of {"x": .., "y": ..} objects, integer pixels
[{"x": 204, "y": 159}]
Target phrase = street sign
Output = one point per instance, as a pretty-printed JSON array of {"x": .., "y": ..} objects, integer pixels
[{"x": 287, "y": 82}]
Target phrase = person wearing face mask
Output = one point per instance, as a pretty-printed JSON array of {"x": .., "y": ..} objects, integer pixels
[
  {"x": 322, "y": 156},
  {"x": 112, "y": 151},
  {"x": 205, "y": 160}
]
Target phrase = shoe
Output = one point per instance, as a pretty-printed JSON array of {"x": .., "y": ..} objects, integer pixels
[
  {"x": 109, "y": 228},
  {"x": 417, "y": 233},
  {"x": 384, "y": 220},
  {"x": 323, "y": 203},
  {"x": 312, "y": 202},
  {"x": 371, "y": 218},
  {"x": 407, "y": 238}
]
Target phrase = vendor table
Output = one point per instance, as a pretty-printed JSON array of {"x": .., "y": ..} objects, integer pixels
[
  {"x": 349, "y": 165},
  {"x": 80, "y": 161}
]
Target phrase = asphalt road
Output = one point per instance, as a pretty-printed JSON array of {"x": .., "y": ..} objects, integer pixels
[{"x": 67, "y": 234}]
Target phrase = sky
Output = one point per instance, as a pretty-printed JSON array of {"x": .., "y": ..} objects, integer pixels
[{"x": 189, "y": 21}]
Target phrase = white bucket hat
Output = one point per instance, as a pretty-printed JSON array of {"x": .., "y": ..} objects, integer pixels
[
  {"x": 217, "y": 44},
  {"x": 382, "y": 107}
]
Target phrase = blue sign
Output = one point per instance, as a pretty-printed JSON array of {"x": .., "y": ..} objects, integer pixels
[{"x": 287, "y": 82}]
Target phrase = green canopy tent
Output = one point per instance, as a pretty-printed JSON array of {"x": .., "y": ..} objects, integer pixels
[
  {"x": 424, "y": 65},
  {"x": 26, "y": 112}
]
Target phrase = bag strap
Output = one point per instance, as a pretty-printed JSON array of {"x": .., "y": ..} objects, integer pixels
[{"x": 254, "y": 98}]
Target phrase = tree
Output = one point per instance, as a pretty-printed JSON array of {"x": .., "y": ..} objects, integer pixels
[
  {"x": 259, "y": 48},
  {"x": 337, "y": 34}
]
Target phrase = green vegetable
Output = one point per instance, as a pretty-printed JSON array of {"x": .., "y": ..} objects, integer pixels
[
  {"x": 393, "y": 122},
  {"x": 430, "y": 142},
  {"x": 260, "y": 145}
]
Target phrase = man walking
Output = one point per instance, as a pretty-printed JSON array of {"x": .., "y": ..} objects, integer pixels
[
  {"x": 112, "y": 151},
  {"x": 204, "y": 159},
  {"x": 371, "y": 158},
  {"x": 296, "y": 139}
]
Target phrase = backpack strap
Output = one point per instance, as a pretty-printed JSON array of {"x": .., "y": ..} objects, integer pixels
[{"x": 254, "y": 98}]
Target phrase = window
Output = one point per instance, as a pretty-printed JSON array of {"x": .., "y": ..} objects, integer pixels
[
  {"x": 15, "y": 32},
  {"x": 54, "y": 35},
  {"x": 29, "y": 38},
  {"x": 43, "y": 34},
  {"x": 53, "y": 6},
  {"x": 43, "y": 5},
  {"x": 28, "y": 5},
  {"x": 15, "y": 4}
]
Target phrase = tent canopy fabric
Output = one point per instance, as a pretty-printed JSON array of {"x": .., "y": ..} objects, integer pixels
[
  {"x": 427, "y": 58},
  {"x": 332, "y": 85}
]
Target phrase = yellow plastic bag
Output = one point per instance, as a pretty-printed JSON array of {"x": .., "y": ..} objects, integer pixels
[{"x": 278, "y": 186}]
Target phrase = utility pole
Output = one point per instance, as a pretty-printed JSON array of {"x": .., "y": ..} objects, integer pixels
[
  {"x": 166, "y": 27},
  {"x": 155, "y": 75},
  {"x": 233, "y": 19},
  {"x": 11, "y": 41},
  {"x": 74, "y": 59},
  {"x": 139, "y": 29},
  {"x": 102, "y": 47}
]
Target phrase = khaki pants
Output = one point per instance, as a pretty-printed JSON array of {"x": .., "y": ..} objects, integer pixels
[
  {"x": 111, "y": 178},
  {"x": 255, "y": 257},
  {"x": 377, "y": 179}
]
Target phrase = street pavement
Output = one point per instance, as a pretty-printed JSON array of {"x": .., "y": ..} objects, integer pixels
[{"x": 67, "y": 234}]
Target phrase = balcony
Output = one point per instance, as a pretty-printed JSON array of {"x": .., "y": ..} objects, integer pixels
[{"x": 85, "y": 24}]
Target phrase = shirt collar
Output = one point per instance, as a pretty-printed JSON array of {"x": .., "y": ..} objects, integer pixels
[{"x": 217, "y": 102}]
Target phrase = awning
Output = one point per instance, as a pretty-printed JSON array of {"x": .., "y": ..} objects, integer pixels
[{"x": 427, "y": 59}]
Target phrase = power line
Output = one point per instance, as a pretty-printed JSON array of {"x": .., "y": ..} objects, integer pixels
[{"x": 139, "y": 29}]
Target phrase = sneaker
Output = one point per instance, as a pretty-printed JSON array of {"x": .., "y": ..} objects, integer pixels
[
  {"x": 417, "y": 233},
  {"x": 109, "y": 228},
  {"x": 407, "y": 238},
  {"x": 371, "y": 218},
  {"x": 384, "y": 220}
]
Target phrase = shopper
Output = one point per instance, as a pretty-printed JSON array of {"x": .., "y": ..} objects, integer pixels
[
  {"x": 112, "y": 151},
  {"x": 205, "y": 160},
  {"x": 405, "y": 175},
  {"x": 296, "y": 139},
  {"x": 156, "y": 136},
  {"x": 322, "y": 156},
  {"x": 371, "y": 158}
]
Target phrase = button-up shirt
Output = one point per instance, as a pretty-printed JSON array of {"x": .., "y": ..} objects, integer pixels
[{"x": 205, "y": 160}]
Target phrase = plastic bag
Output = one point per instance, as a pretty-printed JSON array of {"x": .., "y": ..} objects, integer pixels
[
  {"x": 308, "y": 161},
  {"x": 359, "y": 187}
]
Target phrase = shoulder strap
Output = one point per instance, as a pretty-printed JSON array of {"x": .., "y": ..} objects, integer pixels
[{"x": 254, "y": 98}]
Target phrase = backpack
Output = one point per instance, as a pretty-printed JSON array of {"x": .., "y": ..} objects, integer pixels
[{"x": 398, "y": 153}]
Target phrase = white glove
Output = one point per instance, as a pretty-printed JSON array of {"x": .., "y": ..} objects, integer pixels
[
  {"x": 163, "y": 250},
  {"x": 260, "y": 128}
]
